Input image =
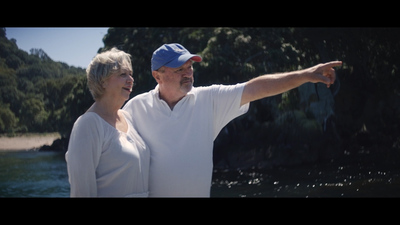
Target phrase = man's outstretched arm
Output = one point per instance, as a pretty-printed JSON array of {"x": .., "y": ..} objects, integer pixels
[{"x": 273, "y": 84}]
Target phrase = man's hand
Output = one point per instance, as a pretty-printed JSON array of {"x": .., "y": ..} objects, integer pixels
[
  {"x": 323, "y": 73},
  {"x": 273, "y": 84}
]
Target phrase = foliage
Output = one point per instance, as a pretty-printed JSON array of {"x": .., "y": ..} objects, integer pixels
[{"x": 38, "y": 94}]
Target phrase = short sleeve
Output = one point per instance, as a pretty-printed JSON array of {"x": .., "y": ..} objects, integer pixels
[{"x": 226, "y": 105}]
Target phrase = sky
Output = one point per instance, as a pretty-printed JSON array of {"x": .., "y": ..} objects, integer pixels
[{"x": 75, "y": 46}]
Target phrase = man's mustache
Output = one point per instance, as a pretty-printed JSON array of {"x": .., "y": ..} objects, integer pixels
[{"x": 184, "y": 80}]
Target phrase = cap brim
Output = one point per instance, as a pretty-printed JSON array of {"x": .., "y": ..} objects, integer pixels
[{"x": 182, "y": 60}]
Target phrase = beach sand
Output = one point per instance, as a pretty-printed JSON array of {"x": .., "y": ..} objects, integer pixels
[{"x": 27, "y": 141}]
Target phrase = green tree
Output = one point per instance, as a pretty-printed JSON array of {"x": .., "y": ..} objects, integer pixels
[
  {"x": 33, "y": 89},
  {"x": 8, "y": 121},
  {"x": 33, "y": 114},
  {"x": 75, "y": 104}
]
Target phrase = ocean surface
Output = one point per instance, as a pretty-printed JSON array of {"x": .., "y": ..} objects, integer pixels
[
  {"x": 44, "y": 174},
  {"x": 33, "y": 174}
]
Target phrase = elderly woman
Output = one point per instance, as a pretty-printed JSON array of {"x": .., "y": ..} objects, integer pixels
[{"x": 106, "y": 157}]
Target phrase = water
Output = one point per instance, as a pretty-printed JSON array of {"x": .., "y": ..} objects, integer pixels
[
  {"x": 334, "y": 179},
  {"x": 33, "y": 174},
  {"x": 44, "y": 174}
]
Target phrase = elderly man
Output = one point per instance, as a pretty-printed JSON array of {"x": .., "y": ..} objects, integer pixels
[{"x": 180, "y": 122}]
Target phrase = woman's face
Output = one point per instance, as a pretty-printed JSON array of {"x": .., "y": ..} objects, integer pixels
[{"x": 119, "y": 85}]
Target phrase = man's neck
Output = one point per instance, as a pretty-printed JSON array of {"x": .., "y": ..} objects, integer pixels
[
  {"x": 171, "y": 100},
  {"x": 171, "y": 97}
]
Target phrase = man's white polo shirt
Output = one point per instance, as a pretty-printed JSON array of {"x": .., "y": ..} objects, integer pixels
[{"x": 181, "y": 140}]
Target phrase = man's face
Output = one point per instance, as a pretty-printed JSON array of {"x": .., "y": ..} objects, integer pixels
[{"x": 176, "y": 79}]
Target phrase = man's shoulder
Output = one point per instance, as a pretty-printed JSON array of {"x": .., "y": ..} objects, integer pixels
[
  {"x": 137, "y": 100},
  {"x": 218, "y": 87},
  {"x": 143, "y": 96},
  {"x": 206, "y": 88}
]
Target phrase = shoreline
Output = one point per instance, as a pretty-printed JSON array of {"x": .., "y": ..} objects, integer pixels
[{"x": 26, "y": 142}]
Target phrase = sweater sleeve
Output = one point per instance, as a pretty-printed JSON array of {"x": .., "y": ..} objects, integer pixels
[{"x": 83, "y": 156}]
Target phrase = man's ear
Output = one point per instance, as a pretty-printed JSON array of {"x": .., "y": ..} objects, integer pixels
[{"x": 156, "y": 75}]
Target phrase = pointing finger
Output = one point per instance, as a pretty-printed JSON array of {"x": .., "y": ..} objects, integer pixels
[{"x": 332, "y": 64}]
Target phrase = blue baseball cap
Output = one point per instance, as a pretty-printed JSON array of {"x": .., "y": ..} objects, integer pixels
[{"x": 172, "y": 55}]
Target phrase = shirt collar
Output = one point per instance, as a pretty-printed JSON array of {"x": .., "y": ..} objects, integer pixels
[{"x": 156, "y": 92}]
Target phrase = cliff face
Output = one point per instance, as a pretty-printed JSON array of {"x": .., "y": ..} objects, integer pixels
[{"x": 313, "y": 123}]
